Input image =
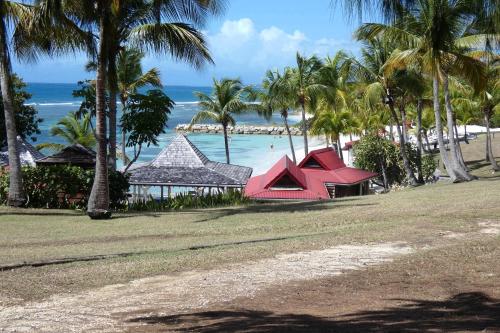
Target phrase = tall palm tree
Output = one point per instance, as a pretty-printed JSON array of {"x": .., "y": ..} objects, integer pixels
[
  {"x": 130, "y": 78},
  {"x": 428, "y": 33},
  {"x": 74, "y": 131},
  {"x": 277, "y": 96},
  {"x": 382, "y": 87},
  {"x": 227, "y": 100},
  {"x": 162, "y": 26},
  {"x": 304, "y": 82},
  {"x": 11, "y": 12},
  {"x": 145, "y": 25}
]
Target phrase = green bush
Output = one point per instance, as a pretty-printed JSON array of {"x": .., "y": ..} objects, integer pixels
[
  {"x": 186, "y": 201},
  {"x": 64, "y": 187},
  {"x": 374, "y": 153}
]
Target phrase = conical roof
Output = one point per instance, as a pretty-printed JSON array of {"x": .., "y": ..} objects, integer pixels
[{"x": 180, "y": 153}]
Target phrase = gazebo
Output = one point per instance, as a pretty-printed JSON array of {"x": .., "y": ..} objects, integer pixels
[
  {"x": 76, "y": 155},
  {"x": 182, "y": 165}
]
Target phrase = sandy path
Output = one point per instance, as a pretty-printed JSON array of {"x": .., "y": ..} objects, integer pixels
[{"x": 97, "y": 310}]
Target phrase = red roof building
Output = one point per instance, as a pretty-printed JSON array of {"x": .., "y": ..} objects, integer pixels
[{"x": 321, "y": 175}]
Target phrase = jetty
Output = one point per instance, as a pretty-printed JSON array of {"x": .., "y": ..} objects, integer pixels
[{"x": 238, "y": 129}]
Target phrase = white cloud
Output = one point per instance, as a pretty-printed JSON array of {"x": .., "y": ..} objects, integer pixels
[{"x": 239, "y": 43}]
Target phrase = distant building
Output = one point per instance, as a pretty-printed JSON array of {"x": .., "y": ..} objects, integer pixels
[
  {"x": 76, "y": 155},
  {"x": 321, "y": 175},
  {"x": 27, "y": 153},
  {"x": 182, "y": 165},
  {"x": 349, "y": 147}
]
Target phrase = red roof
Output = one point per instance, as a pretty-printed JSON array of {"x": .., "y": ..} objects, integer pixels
[
  {"x": 348, "y": 145},
  {"x": 317, "y": 168},
  {"x": 327, "y": 158}
]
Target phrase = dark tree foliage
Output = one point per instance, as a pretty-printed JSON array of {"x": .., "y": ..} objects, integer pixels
[
  {"x": 27, "y": 120},
  {"x": 380, "y": 155},
  {"x": 87, "y": 93},
  {"x": 145, "y": 119}
]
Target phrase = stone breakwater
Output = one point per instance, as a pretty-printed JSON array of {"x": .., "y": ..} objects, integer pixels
[{"x": 238, "y": 129}]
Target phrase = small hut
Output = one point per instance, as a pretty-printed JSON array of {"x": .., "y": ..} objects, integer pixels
[
  {"x": 182, "y": 165},
  {"x": 76, "y": 155},
  {"x": 27, "y": 153}
]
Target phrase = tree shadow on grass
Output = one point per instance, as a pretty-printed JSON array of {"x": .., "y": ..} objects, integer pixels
[
  {"x": 282, "y": 207},
  {"x": 463, "y": 312}
]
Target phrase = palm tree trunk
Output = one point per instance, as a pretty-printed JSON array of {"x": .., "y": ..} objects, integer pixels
[
  {"x": 226, "y": 142},
  {"x": 459, "y": 147},
  {"x": 489, "y": 149},
  {"x": 99, "y": 196},
  {"x": 113, "y": 91},
  {"x": 439, "y": 129},
  {"x": 391, "y": 135},
  {"x": 304, "y": 127},
  {"x": 339, "y": 149},
  {"x": 125, "y": 158},
  {"x": 402, "y": 110},
  {"x": 420, "y": 146},
  {"x": 402, "y": 148},
  {"x": 287, "y": 127},
  {"x": 16, "y": 194},
  {"x": 461, "y": 173}
]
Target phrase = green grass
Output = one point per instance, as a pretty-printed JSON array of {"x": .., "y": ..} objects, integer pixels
[{"x": 160, "y": 242}]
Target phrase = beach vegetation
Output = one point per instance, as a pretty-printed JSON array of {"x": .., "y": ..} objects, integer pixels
[{"x": 188, "y": 201}]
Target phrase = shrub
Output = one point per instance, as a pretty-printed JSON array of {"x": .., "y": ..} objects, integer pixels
[
  {"x": 186, "y": 201},
  {"x": 379, "y": 155},
  {"x": 64, "y": 187},
  {"x": 375, "y": 153}
]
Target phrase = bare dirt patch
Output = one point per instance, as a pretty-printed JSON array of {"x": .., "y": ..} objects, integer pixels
[
  {"x": 451, "y": 289},
  {"x": 103, "y": 309}
]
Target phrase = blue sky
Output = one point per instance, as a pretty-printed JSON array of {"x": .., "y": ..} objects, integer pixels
[{"x": 249, "y": 38}]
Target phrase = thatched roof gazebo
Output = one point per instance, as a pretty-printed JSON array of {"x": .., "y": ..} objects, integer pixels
[
  {"x": 181, "y": 164},
  {"x": 76, "y": 155}
]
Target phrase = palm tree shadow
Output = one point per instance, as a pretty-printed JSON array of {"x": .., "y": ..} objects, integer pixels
[
  {"x": 473, "y": 311},
  {"x": 281, "y": 207}
]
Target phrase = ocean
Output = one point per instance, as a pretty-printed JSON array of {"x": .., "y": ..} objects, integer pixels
[{"x": 54, "y": 101}]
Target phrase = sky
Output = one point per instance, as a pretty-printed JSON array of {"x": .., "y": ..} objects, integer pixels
[{"x": 251, "y": 37}]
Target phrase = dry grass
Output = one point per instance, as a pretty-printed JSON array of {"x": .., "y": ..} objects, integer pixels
[{"x": 160, "y": 243}]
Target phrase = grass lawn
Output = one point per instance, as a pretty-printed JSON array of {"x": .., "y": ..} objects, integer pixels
[{"x": 159, "y": 243}]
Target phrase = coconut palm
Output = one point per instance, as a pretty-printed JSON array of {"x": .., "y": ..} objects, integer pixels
[
  {"x": 332, "y": 124},
  {"x": 146, "y": 25},
  {"x": 130, "y": 78},
  {"x": 383, "y": 87},
  {"x": 304, "y": 83},
  {"x": 429, "y": 34},
  {"x": 226, "y": 101},
  {"x": 10, "y": 11},
  {"x": 72, "y": 130},
  {"x": 277, "y": 96}
]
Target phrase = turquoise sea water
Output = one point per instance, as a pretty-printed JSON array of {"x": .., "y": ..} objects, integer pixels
[{"x": 54, "y": 101}]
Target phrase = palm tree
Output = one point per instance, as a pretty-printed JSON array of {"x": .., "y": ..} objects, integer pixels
[
  {"x": 73, "y": 131},
  {"x": 11, "y": 12},
  {"x": 304, "y": 82},
  {"x": 332, "y": 124},
  {"x": 130, "y": 78},
  {"x": 277, "y": 96},
  {"x": 162, "y": 26},
  {"x": 226, "y": 101},
  {"x": 141, "y": 24},
  {"x": 383, "y": 87},
  {"x": 429, "y": 33}
]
